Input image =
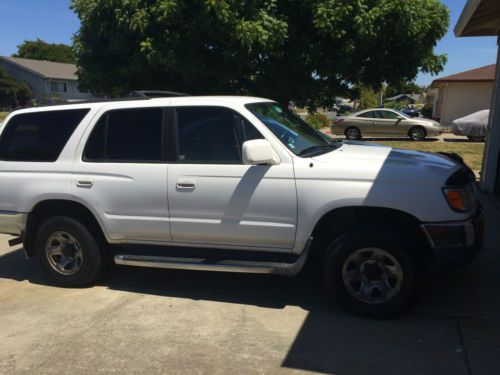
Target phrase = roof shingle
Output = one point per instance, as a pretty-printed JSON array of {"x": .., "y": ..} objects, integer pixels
[
  {"x": 46, "y": 69},
  {"x": 483, "y": 74}
]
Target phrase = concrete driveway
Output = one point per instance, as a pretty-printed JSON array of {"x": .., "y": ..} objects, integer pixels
[{"x": 160, "y": 321}]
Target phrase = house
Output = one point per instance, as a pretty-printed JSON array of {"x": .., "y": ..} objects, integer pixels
[
  {"x": 410, "y": 98},
  {"x": 45, "y": 78},
  {"x": 482, "y": 18},
  {"x": 461, "y": 94}
]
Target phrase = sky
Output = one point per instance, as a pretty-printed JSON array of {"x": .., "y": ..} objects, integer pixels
[{"x": 54, "y": 22}]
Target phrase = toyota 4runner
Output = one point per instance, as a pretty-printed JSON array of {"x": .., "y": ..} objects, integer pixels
[{"x": 235, "y": 184}]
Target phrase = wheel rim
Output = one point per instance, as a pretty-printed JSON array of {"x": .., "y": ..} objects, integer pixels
[
  {"x": 64, "y": 253},
  {"x": 352, "y": 134},
  {"x": 417, "y": 134},
  {"x": 372, "y": 275}
]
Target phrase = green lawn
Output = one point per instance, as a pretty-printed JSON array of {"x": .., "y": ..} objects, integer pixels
[
  {"x": 472, "y": 153},
  {"x": 3, "y": 115}
]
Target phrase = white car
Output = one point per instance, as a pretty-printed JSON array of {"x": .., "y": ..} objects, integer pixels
[
  {"x": 234, "y": 184},
  {"x": 473, "y": 126}
]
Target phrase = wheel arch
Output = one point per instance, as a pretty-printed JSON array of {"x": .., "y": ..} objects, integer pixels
[
  {"x": 339, "y": 220},
  {"x": 44, "y": 209},
  {"x": 419, "y": 127}
]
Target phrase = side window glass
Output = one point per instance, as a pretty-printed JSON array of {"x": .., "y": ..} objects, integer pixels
[
  {"x": 212, "y": 135},
  {"x": 127, "y": 135},
  {"x": 370, "y": 114},
  {"x": 388, "y": 115},
  {"x": 39, "y": 136}
]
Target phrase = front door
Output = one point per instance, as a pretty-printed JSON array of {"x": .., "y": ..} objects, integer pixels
[{"x": 216, "y": 200}]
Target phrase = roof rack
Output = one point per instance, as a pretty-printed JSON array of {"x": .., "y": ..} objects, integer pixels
[{"x": 155, "y": 94}]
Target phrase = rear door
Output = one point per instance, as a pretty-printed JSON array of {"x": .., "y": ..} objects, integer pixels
[
  {"x": 215, "y": 199},
  {"x": 121, "y": 174}
]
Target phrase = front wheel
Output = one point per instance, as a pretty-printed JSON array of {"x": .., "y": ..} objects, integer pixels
[
  {"x": 417, "y": 134},
  {"x": 353, "y": 134},
  {"x": 68, "y": 252},
  {"x": 372, "y": 273}
]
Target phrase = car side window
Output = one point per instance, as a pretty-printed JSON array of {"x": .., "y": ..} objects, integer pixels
[
  {"x": 39, "y": 136},
  {"x": 212, "y": 135},
  {"x": 369, "y": 114},
  {"x": 127, "y": 135},
  {"x": 388, "y": 115}
]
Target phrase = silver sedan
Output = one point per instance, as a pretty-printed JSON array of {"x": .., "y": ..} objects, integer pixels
[{"x": 382, "y": 122}]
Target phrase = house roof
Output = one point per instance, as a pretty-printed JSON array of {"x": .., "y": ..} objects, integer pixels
[
  {"x": 45, "y": 69},
  {"x": 483, "y": 74},
  {"x": 479, "y": 18}
]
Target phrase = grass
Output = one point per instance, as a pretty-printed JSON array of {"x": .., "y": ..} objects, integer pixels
[
  {"x": 3, "y": 115},
  {"x": 472, "y": 153}
]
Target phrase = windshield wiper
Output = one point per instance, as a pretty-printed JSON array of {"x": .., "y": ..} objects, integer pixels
[{"x": 317, "y": 149}]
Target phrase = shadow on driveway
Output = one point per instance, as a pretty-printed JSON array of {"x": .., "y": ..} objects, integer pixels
[{"x": 428, "y": 340}]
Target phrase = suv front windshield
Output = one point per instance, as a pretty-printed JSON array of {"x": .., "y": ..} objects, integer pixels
[{"x": 293, "y": 132}]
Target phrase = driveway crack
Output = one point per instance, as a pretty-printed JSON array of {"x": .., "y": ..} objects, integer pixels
[{"x": 462, "y": 344}]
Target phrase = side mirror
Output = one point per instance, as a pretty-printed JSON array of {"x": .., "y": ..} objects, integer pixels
[
  {"x": 401, "y": 117},
  {"x": 259, "y": 151}
]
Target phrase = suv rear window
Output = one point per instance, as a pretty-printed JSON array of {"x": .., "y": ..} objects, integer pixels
[{"x": 39, "y": 136}]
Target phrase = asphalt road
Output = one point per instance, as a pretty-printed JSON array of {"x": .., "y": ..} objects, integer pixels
[{"x": 160, "y": 321}]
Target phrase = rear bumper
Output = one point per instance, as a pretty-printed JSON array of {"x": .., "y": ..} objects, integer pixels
[
  {"x": 12, "y": 222},
  {"x": 458, "y": 243}
]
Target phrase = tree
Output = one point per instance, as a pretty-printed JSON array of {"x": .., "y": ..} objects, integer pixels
[
  {"x": 402, "y": 88},
  {"x": 40, "y": 50},
  {"x": 368, "y": 98},
  {"x": 12, "y": 93},
  {"x": 305, "y": 51}
]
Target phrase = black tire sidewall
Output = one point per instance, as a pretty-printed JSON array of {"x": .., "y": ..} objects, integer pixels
[
  {"x": 341, "y": 248},
  {"x": 92, "y": 260}
]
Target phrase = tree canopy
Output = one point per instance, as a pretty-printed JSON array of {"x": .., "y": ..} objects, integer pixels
[
  {"x": 305, "y": 51},
  {"x": 40, "y": 50},
  {"x": 402, "y": 88}
]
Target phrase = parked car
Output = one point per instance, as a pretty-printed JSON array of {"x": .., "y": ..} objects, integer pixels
[
  {"x": 411, "y": 112},
  {"x": 380, "y": 122},
  {"x": 473, "y": 126},
  {"x": 233, "y": 184}
]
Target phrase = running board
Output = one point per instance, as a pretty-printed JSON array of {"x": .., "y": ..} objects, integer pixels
[{"x": 203, "y": 264}]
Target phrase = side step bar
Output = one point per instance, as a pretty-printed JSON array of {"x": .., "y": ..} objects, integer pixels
[{"x": 201, "y": 264}]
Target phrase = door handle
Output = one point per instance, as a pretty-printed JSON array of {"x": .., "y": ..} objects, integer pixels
[
  {"x": 85, "y": 183},
  {"x": 186, "y": 183}
]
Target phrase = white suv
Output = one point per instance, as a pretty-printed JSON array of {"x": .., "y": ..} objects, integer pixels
[{"x": 229, "y": 184}]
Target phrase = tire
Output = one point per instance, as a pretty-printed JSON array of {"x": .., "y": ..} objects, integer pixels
[
  {"x": 366, "y": 254},
  {"x": 417, "y": 133},
  {"x": 476, "y": 138},
  {"x": 353, "y": 134},
  {"x": 68, "y": 252}
]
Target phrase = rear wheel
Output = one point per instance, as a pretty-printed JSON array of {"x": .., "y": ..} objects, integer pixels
[
  {"x": 417, "y": 133},
  {"x": 69, "y": 252},
  {"x": 353, "y": 134},
  {"x": 372, "y": 272}
]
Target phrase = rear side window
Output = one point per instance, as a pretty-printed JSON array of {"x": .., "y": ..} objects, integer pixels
[
  {"x": 127, "y": 135},
  {"x": 39, "y": 136}
]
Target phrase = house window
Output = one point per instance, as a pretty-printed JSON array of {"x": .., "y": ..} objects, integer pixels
[{"x": 58, "y": 86}]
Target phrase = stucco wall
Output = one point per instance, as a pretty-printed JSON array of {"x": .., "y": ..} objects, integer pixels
[
  {"x": 36, "y": 83},
  {"x": 461, "y": 99}
]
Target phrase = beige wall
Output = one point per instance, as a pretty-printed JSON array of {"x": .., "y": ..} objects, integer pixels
[{"x": 461, "y": 99}]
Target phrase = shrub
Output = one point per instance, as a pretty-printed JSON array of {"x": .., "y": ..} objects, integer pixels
[
  {"x": 427, "y": 110},
  {"x": 318, "y": 120}
]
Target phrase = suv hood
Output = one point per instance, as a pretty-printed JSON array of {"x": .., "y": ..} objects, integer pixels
[{"x": 369, "y": 162}]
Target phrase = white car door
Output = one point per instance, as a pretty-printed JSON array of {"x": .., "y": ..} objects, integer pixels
[
  {"x": 122, "y": 175},
  {"x": 216, "y": 200}
]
